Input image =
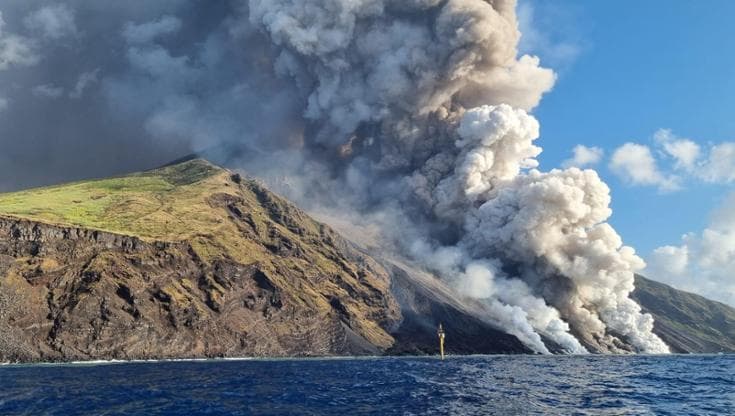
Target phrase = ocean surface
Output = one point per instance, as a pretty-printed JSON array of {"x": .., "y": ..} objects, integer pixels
[{"x": 477, "y": 385}]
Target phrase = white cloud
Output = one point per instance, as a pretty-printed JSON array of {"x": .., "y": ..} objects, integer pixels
[
  {"x": 719, "y": 167},
  {"x": 675, "y": 159},
  {"x": 704, "y": 263},
  {"x": 47, "y": 91},
  {"x": 669, "y": 261},
  {"x": 684, "y": 151},
  {"x": 716, "y": 164},
  {"x": 3, "y": 104},
  {"x": 635, "y": 164},
  {"x": 584, "y": 156},
  {"x": 52, "y": 22},
  {"x": 15, "y": 50}
]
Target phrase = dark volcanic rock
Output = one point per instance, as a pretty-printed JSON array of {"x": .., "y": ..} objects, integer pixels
[
  {"x": 72, "y": 294},
  {"x": 264, "y": 280},
  {"x": 195, "y": 261},
  {"x": 425, "y": 304},
  {"x": 245, "y": 273}
]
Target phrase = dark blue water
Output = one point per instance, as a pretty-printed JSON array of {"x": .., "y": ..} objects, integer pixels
[{"x": 502, "y": 385}]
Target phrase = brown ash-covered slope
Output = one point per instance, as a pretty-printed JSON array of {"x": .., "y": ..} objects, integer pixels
[{"x": 192, "y": 260}]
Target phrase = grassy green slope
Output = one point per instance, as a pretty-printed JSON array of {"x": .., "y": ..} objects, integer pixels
[
  {"x": 146, "y": 205},
  {"x": 173, "y": 203},
  {"x": 685, "y": 321}
]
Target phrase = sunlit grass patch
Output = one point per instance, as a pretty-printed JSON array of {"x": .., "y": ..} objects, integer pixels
[{"x": 149, "y": 204}]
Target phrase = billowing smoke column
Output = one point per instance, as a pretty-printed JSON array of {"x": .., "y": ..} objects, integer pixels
[
  {"x": 410, "y": 115},
  {"x": 421, "y": 103}
]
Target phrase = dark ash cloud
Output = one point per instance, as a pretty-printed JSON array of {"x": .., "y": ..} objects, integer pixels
[{"x": 411, "y": 115}]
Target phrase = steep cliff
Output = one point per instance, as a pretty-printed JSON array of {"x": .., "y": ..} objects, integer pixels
[
  {"x": 192, "y": 260},
  {"x": 189, "y": 260}
]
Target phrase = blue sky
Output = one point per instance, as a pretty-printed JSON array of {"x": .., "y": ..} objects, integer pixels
[{"x": 627, "y": 69}]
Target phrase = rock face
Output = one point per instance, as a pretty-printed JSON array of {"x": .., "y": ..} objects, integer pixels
[
  {"x": 195, "y": 261},
  {"x": 80, "y": 294},
  {"x": 192, "y": 260},
  {"x": 294, "y": 289},
  {"x": 688, "y": 323},
  {"x": 425, "y": 302}
]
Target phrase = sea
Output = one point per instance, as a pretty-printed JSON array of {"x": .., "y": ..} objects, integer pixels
[{"x": 458, "y": 385}]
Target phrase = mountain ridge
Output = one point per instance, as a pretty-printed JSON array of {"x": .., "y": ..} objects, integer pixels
[
  {"x": 687, "y": 322},
  {"x": 103, "y": 283},
  {"x": 192, "y": 260}
]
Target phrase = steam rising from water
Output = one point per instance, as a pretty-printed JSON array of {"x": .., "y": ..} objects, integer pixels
[{"x": 410, "y": 115}]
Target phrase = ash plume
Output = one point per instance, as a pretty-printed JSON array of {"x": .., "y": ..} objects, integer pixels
[{"x": 410, "y": 115}]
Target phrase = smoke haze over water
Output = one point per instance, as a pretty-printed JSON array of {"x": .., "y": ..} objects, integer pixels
[{"x": 412, "y": 116}]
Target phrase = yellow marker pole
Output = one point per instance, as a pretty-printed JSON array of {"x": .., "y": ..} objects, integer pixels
[
  {"x": 441, "y": 345},
  {"x": 441, "y": 334}
]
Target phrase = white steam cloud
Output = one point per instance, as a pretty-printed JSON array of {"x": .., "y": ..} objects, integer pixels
[
  {"x": 408, "y": 114},
  {"x": 423, "y": 105}
]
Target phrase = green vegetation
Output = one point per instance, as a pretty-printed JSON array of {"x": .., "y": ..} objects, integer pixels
[
  {"x": 186, "y": 202},
  {"x": 147, "y": 205},
  {"x": 238, "y": 241},
  {"x": 174, "y": 203}
]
